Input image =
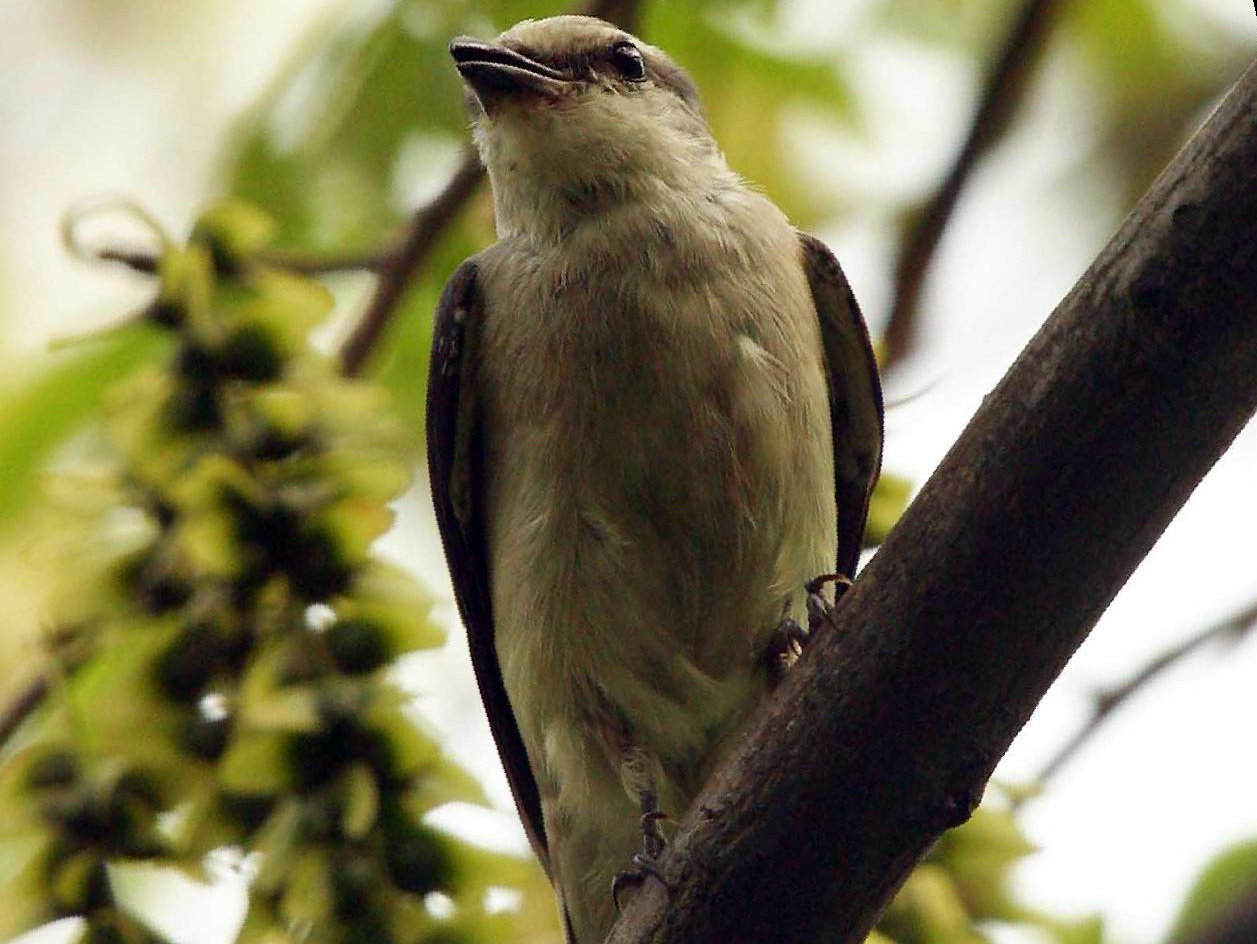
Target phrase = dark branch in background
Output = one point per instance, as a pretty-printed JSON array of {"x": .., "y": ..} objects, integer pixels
[
  {"x": 137, "y": 260},
  {"x": 310, "y": 264},
  {"x": 1229, "y": 631},
  {"x": 146, "y": 262},
  {"x": 67, "y": 650},
  {"x": 19, "y": 709},
  {"x": 887, "y": 730},
  {"x": 1002, "y": 93},
  {"x": 399, "y": 268}
]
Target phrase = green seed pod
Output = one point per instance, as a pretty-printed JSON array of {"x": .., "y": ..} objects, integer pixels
[{"x": 358, "y": 646}]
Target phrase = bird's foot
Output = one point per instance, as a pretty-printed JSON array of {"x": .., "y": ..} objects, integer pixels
[
  {"x": 645, "y": 863},
  {"x": 784, "y": 648},
  {"x": 789, "y": 638},
  {"x": 820, "y": 612}
]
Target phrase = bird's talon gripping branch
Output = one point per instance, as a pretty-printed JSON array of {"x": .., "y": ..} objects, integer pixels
[
  {"x": 820, "y": 612},
  {"x": 644, "y": 867},
  {"x": 645, "y": 863},
  {"x": 789, "y": 639},
  {"x": 784, "y": 648},
  {"x": 653, "y": 841}
]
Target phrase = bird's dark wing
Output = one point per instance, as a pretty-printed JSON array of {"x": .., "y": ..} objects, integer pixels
[
  {"x": 855, "y": 396},
  {"x": 455, "y": 458}
]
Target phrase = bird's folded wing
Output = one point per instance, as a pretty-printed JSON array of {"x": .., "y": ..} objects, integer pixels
[
  {"x": 454, "y": 467},
  {"x": 855, "y": 396}
]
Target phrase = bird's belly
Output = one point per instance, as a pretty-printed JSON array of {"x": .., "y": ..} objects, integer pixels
[{"x": 646, "y": 536}]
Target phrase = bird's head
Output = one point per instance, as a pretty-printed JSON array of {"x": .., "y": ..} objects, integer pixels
[{"x": 573, "y": 116}]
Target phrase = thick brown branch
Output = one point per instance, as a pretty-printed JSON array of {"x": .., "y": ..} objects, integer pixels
[
  {"x": 1229, "y": 630},
  {"x": 887, "y": 730},
  {"x": 1002, "y": 93}
]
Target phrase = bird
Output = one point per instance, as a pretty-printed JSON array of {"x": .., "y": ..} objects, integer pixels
[{"x": 654, "y": 420}]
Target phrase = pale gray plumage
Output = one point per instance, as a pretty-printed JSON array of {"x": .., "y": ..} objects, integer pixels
[{"x": 633, "y": 416}]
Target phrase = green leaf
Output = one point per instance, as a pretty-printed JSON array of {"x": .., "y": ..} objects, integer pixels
[
  {"x": 929, "y": 910},
  {"x": 969, "y": 27},
  {"x": 23, "y": 874},
  {"x": 747, "y": 88},
  {"x": 1224, "y": 881},
  {"x": 326, "y": 169},
  {"x": 361, "y": 803},
  {"x": 890, "y": 498},
  {"x": 40, "y": 414},
  {"x": 308, "y": 896},
  {"x": 1155, "y": 64},
  {"x": 256, "y": 763}
]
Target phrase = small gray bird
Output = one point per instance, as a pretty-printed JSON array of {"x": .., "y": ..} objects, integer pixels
[{"x": 653, "y": 417}]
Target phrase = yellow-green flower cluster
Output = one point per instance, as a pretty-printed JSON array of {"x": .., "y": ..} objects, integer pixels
[{"x": 236, "y": 691}]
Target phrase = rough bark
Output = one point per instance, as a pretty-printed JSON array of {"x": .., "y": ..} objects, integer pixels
[{"x": 887, "y": 730}]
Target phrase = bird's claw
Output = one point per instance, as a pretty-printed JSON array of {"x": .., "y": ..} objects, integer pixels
[
  {"x": 653, "y": 841},
  {"x": 645, "y": 863},
  {"x": 789, "y": 638},
  {"x": 783, "y": 649},
  {"x": 644, "y": 867},
  {"x": 820, "y": 612},
  {"x": 786, "y": 645}
]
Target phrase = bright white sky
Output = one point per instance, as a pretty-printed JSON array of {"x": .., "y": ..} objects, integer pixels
[{"x": 1164, "y": 787}]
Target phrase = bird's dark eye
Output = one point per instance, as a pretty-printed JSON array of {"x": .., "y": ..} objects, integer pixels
[{"x": 628, "y": 59}]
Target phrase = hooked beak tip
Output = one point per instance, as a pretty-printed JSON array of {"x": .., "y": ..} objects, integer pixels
[{"x": 493, "y": 70}]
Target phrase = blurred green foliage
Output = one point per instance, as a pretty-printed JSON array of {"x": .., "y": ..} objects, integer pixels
[
  {"x": 963, "y": 887},
  {"x": 38, "y": 416},
  {"x": 262, "y": 723},
  {"x": 228, "y": 681},
  {"x": 1154, "y": 66},
  {"x": 1223, "y": 882}
]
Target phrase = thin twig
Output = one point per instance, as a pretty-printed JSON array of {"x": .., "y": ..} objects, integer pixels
[
  {"x": 18, "y": 710},
  {"x": 138, "y": 260},
  {"x": 399, "y": 268},
  {"x": 145, "y": 262},
  {"x": 1229, "y": 631},
  {"x": 309, "y": 264},
  {"x": 1002, "y": 93}
]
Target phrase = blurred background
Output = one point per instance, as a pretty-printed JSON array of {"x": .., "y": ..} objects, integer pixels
[{"x": 340, "y": 117}]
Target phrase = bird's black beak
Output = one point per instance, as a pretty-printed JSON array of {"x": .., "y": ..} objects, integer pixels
[{"x": 494, "y": 71}]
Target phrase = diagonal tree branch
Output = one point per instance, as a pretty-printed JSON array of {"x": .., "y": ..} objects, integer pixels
[
  {"x": 887, "y": 730},
  {"x": 1002, "y": 93},
  {"x": 1229, "y": 631}
]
